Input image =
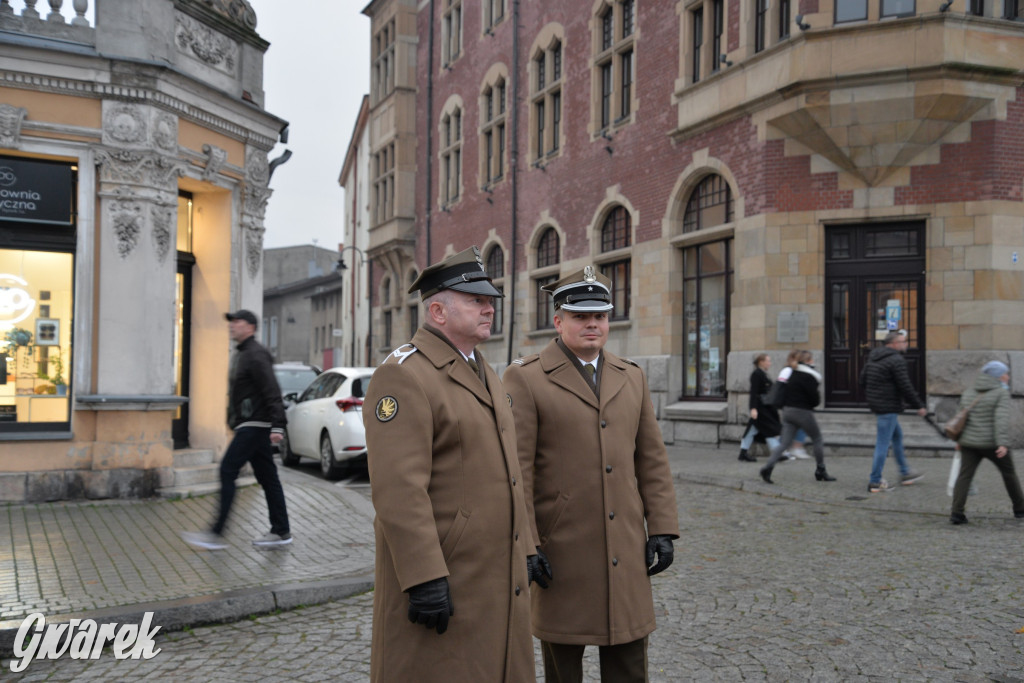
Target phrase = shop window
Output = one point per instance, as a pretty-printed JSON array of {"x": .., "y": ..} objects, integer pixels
[
  {"x": 37, "y": 265},
  {"x": 707, "y": 288}
]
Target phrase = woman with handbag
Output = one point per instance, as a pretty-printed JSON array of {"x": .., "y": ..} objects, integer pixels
[
  {"x": 986, "y": 435},
  {"x": 764, "y": 418},
  {"x": 802, "y": 395}
]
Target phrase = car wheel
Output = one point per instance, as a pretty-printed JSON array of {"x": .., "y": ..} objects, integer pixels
[
  {"x": 288, "y": 456},
  {"x": 328, "y": 466}
]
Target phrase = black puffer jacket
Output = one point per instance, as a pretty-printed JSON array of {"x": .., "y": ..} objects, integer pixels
[
  {"x": 802, "y": 388},
  {"x": 767, "y": 421},
  {"x": 886, "y": 382},
  {"x": 254, "y": 398}
]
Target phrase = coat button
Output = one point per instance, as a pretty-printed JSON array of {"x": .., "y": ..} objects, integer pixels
[
  {"x": 513, "y": 481},
  {"x": 615, "y": 562},
  {"x": 517, "y": 590},
  {"x": 611, "y": 515},
  {"x": 516, "y": 537},
  {"x": 604, "y": 423},
  {"x": 608, "y": 468}
]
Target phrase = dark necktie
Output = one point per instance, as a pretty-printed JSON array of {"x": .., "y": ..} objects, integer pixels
[
  {"x": 472, "y": 364},
  {"x": 589, "y": 369}
]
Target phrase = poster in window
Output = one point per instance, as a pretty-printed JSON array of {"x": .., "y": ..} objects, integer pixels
[{"x": 47, "y": 332}]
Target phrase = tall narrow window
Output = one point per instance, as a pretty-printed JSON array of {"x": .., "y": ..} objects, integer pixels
[
  {"x": 616, "y": 238},
  {"x": 451, "y": 156},
  {"x": 547, "y": 257},
  {"x": 1013, "y": 9},
  {"x": 707, "y": 290},
  {"x": 547, "y": 101},
  {"x": 976, "y": 7},
  {"x": 698, "y": 42},
  {"x": 384, "y": 184},
  {"x": 783, "y": 19},
  {"x": 451, "y": 31},
  {"x": 493, "y": 132},
  {"x": 718, "y": 10},
  {"x": 384, "y": 61},
  {"x": 760, "y": 24},
  {"x": 494, "y": 12},
  {"x": 496, "y": 270},
  {"x": 614, "y": 64}
]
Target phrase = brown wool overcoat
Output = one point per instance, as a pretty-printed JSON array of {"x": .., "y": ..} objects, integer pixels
[
  {"x": 595, "y": 470},
  {"x": 449, "y": 498}
]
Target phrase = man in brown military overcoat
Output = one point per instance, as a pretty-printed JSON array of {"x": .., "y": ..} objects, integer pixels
[
  {"x": 600, "y": 495},
  {"x": 451, "y": 527}
]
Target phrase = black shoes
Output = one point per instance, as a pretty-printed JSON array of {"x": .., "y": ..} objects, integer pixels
[
  {"x": 746, "y": 457},
  {"x": 958, "y": 518},
  {"x": 821, "y": 474},
  {"x": 766, "y": 474}
]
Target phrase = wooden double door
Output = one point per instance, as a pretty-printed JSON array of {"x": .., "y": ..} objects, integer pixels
[{"x": 874, "y": 284}]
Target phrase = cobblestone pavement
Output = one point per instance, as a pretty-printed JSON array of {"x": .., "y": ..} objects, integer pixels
[{"x": 762, "y": 589}]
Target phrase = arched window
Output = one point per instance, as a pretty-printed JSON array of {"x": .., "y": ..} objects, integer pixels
[
  {"x": 496, "y": 270},
  {"x": 707, "y": 291},
  {"x": 616, "y": 235},
  {"x": 547, "y": 257},
  {"x": 710, "y": 204}
]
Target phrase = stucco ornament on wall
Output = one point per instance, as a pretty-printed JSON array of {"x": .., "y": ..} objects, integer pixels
[
  {"x": 215, "y": 160},
  {"x": 125, "y": 124},
  {"x": 128, "y": 221},
  {"x": 140, "y": 168},
  {"x": 197, "y": 40},
  {"x": 11, "y": 118},
  {"x": 163, "y": 216},
  {"x": 165, "y": 133},
  {"x": 257, "y": 192}
]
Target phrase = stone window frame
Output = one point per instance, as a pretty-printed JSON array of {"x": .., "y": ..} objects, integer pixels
[
  {"x": 449, "y": 155},
  {"x": 412, "y": 301},
  {"x": 494, "y": 12},
  {"x": 540, "y": 275},
  {"x": 490, "y": 249},
  {"x": 703, "y": 48},
  {"x": 384, "y": 183},
  {"x": 613, "y": 57},
  {"x": 546, "y": 74},
  {"x": 384, "y": 61},
  {"x": 451, "y": 32},
  {"x": 493, "y": 105},
  {"x": 386, "y": 314},
  {"x": 610, "y": 258}
]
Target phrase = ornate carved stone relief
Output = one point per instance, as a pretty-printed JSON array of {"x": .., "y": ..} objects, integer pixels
[
  {"x": 163, "y": 217},
  {"x": 257, "y": 178},
  {"x": 215, "y": 160},
  {"x": 165, "y": 133},
  {"x": 200, "y": 41},
  {"x": 11, "y": 118},
  {"x": 128, "y": 221},
  {"x": 254, "y": 250},
  {"x": 138, "y": 167},
  {"x": 124, "y": 124},
  {"x": 239, "y": 11}
]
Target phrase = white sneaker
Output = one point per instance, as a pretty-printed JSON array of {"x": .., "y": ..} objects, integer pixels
[
  {"x": 207, "y": 540},
  {"x": 800, "y": 454},
  {"x": 271, "y": 539}
]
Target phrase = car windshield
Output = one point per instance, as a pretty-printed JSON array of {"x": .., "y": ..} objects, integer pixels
[{"x": 294, "y": 380}]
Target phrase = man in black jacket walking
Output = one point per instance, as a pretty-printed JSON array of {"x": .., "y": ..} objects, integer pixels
[
  {"x": 887, "y": 385},
  {"x": 256, "y": 413}
]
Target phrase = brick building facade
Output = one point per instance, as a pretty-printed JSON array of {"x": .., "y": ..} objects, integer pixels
[{"x": 752, "y": 176}]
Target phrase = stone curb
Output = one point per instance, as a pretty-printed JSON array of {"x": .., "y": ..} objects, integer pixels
[{"x": 175, "y": 615}]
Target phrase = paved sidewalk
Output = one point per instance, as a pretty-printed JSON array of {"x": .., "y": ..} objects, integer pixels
[{"x": 115, "y": 560}]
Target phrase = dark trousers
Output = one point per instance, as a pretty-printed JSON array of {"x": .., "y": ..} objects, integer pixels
[
  {"x": 625, "y": 663},
  {"x": 252, "y": 445},
  {"x": 793, "y": 420},
  {"x": 970, "y": 458}
]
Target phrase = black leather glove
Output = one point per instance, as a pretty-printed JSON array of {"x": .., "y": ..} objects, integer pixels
[
  {"x": 430, "y": 604},
  {"x": 537, "y": 567},
  {"x": 662, "y": 545}
]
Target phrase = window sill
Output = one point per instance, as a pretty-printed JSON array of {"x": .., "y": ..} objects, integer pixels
[
  {"x": 703, "y": 236},
  {"x": 37, "y": 436},
  {"x": 545, "y": 332},
  {"x": 703, "y": 410}
]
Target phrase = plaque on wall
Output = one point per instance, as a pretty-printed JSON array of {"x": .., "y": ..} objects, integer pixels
[{"x": 793, "y": 327}]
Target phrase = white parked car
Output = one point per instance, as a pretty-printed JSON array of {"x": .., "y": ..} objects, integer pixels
[{"x": 326, "y": 422}]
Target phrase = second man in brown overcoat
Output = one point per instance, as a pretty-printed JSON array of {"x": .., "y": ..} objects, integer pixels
[{"x": 599, "y": 492}]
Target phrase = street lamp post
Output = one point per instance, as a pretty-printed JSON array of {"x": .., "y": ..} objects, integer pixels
[{"x": 369, "y": 317}]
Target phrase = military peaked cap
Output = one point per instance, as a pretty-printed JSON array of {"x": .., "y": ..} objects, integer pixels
[{"x": 463, "y": 272}]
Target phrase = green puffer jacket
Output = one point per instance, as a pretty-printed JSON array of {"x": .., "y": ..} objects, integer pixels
[{"x": 988, "y": 423}]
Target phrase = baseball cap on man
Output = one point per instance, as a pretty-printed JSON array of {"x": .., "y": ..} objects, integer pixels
[
  {"x": 585, "y": 290},
  {"x": 463, "y": 272},
  {"x": 242, "y": 314}
]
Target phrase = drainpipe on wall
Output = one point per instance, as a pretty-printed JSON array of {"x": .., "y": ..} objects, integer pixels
[
  {"x": 513, "y": 169},
  {"x": 430, "y": 128}
]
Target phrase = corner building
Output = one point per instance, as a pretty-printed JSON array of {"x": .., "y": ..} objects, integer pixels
[
  {"x": 752, "y": 176},
  {"x": 133, "y": 184}
]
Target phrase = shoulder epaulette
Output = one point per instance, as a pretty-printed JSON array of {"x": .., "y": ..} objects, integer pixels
[
  {"x": 527, "y": 360},
  {"x": 402, "y": 353},
  {"x": 631, "y": 362}
]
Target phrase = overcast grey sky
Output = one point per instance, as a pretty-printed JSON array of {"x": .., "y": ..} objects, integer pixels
[{"x": 315, "y": 75}]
